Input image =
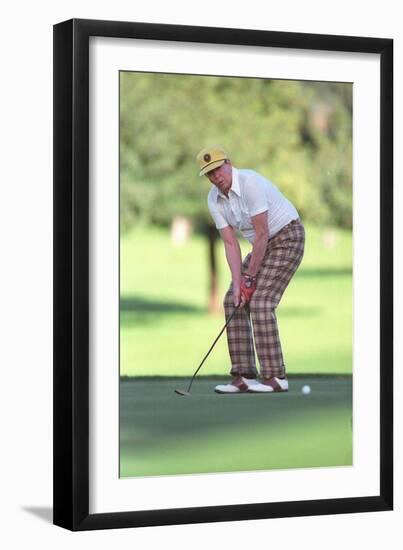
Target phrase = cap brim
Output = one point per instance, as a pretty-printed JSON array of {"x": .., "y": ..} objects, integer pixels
[{"x": 211, "y": 166}]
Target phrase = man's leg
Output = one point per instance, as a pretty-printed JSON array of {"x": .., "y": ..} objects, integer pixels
[
  {"x": 283, "y": 256},
  {"x": 240, "y": 345},
  {"x": 239, "y": 336},
  {"x": 240, "y": 340}
]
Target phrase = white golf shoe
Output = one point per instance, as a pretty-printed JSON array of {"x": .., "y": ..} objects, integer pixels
[
  {"x": 270, "y": 386},
  {"x": 240, "y": 385}
]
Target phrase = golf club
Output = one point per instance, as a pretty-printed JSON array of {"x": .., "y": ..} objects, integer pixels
[{"x": 187, "y": 392}]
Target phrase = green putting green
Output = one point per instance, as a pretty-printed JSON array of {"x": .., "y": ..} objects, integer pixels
[{"x": 162, "y": 433}]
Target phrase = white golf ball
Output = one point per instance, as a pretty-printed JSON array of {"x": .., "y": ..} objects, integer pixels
[{"x": 306, "y": 390}]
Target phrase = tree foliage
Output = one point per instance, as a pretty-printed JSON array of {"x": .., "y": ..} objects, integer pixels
[{"x": 297, "y": 134}]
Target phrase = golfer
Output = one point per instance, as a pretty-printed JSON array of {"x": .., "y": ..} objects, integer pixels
[{"x": 245, "y": 201}]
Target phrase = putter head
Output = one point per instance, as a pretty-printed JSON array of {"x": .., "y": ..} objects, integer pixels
[{"x": 182, "y": 392}]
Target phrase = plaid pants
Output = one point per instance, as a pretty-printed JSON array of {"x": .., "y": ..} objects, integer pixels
[{"x": 282, "y": 257}]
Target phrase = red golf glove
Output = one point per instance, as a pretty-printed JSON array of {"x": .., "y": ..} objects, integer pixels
[{"x": 248, "y": 287}]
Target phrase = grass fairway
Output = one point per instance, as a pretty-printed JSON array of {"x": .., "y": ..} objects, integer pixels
[
  {"x": 165, "y": 328},
  {"x": 162, "y": 433}
]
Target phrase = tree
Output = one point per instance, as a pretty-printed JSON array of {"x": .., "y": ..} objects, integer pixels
[{"x": 297, "y": 134}]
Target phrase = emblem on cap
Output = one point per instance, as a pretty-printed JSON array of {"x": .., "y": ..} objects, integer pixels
[{"x": 207, "y": 157}]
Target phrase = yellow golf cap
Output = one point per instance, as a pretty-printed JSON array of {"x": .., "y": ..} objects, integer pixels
[{"x": 210, "y": 158}]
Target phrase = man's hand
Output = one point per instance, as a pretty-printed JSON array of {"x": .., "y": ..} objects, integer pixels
[
  {"x": 248, "y": 287},
  {"x": 237, "y": 296}
]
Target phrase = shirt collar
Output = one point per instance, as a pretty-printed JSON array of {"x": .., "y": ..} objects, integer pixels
[{"x": 234, "y": 186}]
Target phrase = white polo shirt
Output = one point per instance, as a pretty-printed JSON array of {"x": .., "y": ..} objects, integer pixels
[{"x": 250, "y": 194}]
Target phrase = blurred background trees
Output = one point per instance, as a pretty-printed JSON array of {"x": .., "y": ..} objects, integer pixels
[{"x": 297, "y": 134}]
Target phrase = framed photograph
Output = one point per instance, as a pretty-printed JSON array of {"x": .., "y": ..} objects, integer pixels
[{"x": 223, "y": 274}]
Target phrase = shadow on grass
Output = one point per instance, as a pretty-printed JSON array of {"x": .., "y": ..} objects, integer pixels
[
  {"x": 147, "y": 310},
  {"x": 141, "y": 310},
  {"x": 324, "y": 272},
  {"x": 137, "y": 304},
  {"x": 284, "y": 311}
]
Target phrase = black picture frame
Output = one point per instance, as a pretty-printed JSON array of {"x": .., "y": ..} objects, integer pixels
[{"x": 72, "y": 284}]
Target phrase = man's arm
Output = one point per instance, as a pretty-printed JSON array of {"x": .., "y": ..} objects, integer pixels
[
  {"x": 234, "y": 259},
  {"x": 248, "y": 281},
  {"x": 261, "y": 228}
]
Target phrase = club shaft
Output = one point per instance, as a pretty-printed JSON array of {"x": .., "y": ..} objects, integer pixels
[{"x": 213, "y": 344}]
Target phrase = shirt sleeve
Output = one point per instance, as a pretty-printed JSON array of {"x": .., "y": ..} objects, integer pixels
[
  {"x": 219, "y": 219},
  {"x": 255, "y": 197}
]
